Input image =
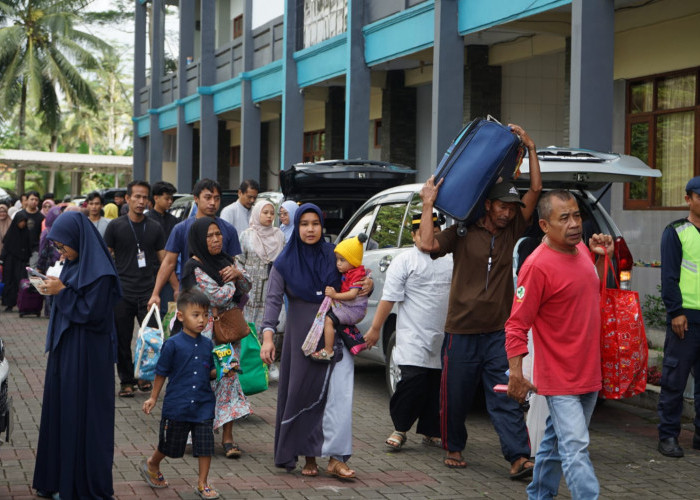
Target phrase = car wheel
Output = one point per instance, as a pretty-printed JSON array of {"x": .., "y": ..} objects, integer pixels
[{"x": 393, "y": 373}]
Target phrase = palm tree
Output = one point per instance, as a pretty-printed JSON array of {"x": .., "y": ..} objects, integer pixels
[{"x": 38, "y": 49}]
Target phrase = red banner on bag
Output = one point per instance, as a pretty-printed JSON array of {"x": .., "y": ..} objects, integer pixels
[{"x": 624, "y": 349}]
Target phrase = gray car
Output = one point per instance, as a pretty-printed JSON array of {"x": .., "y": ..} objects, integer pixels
[{"x": 386, "y": 219}]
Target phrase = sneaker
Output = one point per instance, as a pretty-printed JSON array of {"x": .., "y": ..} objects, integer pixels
[{"x": 273, "y": 374}]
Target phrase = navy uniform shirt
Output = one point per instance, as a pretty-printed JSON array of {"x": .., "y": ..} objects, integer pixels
[
  {"x": 187, "y": 363},
  {"x": 671, "y": 256}
]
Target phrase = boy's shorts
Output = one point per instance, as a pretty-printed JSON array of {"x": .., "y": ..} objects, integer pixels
[{"x": 172, "y": 438}]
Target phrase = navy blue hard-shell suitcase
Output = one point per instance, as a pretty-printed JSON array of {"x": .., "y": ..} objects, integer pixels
[{"x": 482, "y": 152}]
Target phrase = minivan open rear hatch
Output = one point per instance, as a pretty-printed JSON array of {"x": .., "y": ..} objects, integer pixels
[{"x": 585, "y": 169}]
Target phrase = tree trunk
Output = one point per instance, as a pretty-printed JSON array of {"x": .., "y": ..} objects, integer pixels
[{"x": 19, "y": 185}]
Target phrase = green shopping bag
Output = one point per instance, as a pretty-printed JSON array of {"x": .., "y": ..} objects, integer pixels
[{"x": 253, "y": 374}]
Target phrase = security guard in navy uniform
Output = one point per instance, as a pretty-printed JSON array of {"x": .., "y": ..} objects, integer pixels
[{"x": 680, "y": 291}]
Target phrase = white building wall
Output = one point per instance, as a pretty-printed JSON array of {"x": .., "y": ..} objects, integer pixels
[{"x": 533, "y": 96}]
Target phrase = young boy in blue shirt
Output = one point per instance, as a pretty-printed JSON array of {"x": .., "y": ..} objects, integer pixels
[{"x": 187, "y": 361}]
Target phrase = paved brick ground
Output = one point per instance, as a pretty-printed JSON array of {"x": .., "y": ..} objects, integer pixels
[{"x": 623, "y": 448}]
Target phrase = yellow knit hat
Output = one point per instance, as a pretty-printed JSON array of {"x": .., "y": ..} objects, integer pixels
[{"x": 351, "y": 249}]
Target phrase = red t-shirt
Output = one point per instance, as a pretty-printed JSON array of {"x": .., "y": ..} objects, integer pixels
[
  {"x": 352, "y": 276},
  {"x": 558, "y": 296}
]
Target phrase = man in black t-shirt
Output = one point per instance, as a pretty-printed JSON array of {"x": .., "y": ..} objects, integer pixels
[
  {"x": 162, "y": 199},
  {"x": 137, "y": 244},
  {"x": 34, "y": 219}
]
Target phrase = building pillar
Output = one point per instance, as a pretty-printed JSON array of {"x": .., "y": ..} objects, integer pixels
[
  {"x": 250, "y": 111},
  {"x": 208, "y": 122},
  {"x": 357, "y": 85},
  {"x": 335, "y": 123},
  {"x": 398, "y": 120},
  {"x": 155, "y": 144},
  {"x": 184, "y": 129},
  {"x": 592, "y": 53},
  {"x": 292, "y": 147},
  {"x": 139, "y": 168},
  {"x": 482, "y": 85},
  {"x": 448, "y": 79}
]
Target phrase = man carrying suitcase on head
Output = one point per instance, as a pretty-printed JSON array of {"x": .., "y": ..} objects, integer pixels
[{"x": 480, "y": 300}]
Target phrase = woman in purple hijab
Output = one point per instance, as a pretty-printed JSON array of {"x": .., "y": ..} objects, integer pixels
[{"x": 314, "y": 400}]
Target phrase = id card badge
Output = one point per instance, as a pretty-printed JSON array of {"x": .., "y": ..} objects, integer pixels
[{"x": 141, "y": 257}]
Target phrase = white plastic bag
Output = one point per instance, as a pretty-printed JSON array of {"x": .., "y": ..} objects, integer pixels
[{"x": 148, "y": 346}]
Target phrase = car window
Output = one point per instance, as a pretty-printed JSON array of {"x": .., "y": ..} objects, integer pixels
[
  {"x": 414, "y": 209},
  {"x": 387, "y": 226},
  {"x": 362, "y": 223}
]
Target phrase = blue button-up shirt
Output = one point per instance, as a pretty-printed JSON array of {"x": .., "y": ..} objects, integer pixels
[{"x": 187, "y": 363}]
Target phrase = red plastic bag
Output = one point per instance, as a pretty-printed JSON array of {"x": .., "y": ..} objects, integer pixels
[{"x": 624, "y": 350}]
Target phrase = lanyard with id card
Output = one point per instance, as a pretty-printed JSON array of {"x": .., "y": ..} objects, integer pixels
[{"x": 140, "y": 254}]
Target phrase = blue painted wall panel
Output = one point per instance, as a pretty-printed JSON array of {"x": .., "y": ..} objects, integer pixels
[
  {"x": 143, "y": 125},
  {"x": 266, "y": 82},
  {"x": 192, "y": 110},
  {"x": 408, "y": 31},
  {"x": 478, "y": 15},
  {"x": 167, "y": 117},
  {"x": 321, "y": 62},
  {"x": 227, "y": 95}
]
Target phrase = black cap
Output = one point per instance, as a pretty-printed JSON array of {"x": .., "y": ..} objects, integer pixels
[{"x": 505, "y": 192}]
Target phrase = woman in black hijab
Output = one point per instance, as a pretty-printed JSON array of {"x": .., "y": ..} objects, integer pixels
[
  {"x": 203, "y": 272},
  {"x": 16, "y": 250}
]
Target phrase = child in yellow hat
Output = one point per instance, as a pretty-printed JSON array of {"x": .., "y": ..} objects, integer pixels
[{"x": 347, "y": 308}]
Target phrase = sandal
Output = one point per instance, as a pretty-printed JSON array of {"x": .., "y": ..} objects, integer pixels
[
  {"x": 232, "y": 450},
  {"x": 154, "y": 479},
  {"x": 206, "y": 492},
  {"x": 322, "y": 356},
  {"x": 340, "y": 470},
  {"x": 455, "y": 463},
  {"x": 310, "y": 470},
  {"x": 434, "y": 442},
  {"x": 127, "y": 391},
  {"x": 522, "y": 471},
  {"x": 396, "y": 440},
  {"x": 144, "y": 385}
]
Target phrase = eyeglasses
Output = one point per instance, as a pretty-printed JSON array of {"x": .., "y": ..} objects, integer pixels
[
  {"x": 59, "y": 246},
  {"x": 211, "y": 236}
]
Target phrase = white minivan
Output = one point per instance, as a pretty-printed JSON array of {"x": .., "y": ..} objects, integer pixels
[{"x": 386, "y": 219}]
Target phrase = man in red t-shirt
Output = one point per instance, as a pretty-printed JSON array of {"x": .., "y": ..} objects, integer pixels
[{"x": 558, "y": 296}]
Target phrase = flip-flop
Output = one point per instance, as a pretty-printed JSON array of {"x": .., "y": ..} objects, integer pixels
[
  {"x": 150, "y": 477},
  {"x": 232, "y": 450},
  {"x": 455, "y": 463},
  {"x": 337, "y": 468},
  {"x": 144, "y": 385},
  {"x": 126, "y": 391},
  {"x": 396, "y": 440},
  {"x": 310, "y": 472},
  {"x": 434, "y": 442},
  {"x": 206, "y": 492},
  {"x": 523, "y": 471}
]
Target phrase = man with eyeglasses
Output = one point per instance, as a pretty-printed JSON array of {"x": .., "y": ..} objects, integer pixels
[
  {"x": 207, "y": 196},
  {"x": 481, "y": 295},
  {"x": 136, "y": 242}
]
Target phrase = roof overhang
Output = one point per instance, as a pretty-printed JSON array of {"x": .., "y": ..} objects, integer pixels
[{"x": 22, "y": 159}]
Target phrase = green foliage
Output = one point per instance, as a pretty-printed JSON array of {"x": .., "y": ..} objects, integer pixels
[{"x": 654, "y": 310}]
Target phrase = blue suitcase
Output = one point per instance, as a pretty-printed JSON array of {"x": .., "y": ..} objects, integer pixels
[{"x": 482, "y": 152}]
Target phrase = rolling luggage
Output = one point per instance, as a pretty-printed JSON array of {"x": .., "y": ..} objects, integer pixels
[
  {"x": 482, "y": 152},
  {"x": 29, "y": 301}
]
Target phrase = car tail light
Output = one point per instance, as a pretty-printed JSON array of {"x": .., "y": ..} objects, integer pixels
[{"x": 624, "y": 259}]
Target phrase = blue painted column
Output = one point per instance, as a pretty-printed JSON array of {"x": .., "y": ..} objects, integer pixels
[
  {"x": 184, "y": 129},
  {"x": 292, "y": 149},
  {"x": 155, "y": 143},
  {"x": 357, "y": 85},
  {"x": 448, "y": 79},
  {"x": 208, "y": 122},
  {"x": 139, "y": 168},
  {"x": 591, "y": 102},
  {"x": 250, "y": 113}
]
